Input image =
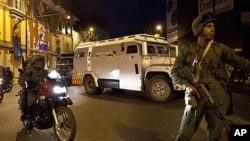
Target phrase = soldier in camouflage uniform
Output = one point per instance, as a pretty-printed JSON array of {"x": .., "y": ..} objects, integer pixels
[
  {"x": 30, "y": 81},
  {"x": 212, "y": 74},
  {"x": 23, "y": 96}
]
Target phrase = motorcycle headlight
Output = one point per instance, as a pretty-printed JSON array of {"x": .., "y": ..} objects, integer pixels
[{"x": 59, "y": 90}]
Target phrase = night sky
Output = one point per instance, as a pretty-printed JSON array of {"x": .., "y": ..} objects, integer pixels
[{"x": 126, "y": 17}]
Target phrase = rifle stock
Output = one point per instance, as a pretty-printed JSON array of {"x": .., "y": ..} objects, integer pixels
[{"x": 205, "y": 95}]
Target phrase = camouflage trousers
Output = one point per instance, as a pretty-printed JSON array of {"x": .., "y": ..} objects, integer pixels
[{"x": 190, "y": 122}]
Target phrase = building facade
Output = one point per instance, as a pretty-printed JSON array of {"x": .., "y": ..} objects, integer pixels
[{"x": 29, "y": 27}]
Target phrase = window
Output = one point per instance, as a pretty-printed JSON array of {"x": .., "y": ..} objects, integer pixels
[
  {"x": 18, "y": 4},
  {"x": 151, "y": 49},
  {"x": 79, "y": 54},
  {"x": 162, "y": 50},
  {"x": 132, "y": 49}
]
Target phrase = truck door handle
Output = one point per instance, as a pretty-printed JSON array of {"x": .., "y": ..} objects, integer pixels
[{"x": 131, "y": 57}]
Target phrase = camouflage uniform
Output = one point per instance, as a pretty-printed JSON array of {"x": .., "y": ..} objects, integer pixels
[
  {"x": 30, "y": 80},
  {"x": 212, "y": 75}
]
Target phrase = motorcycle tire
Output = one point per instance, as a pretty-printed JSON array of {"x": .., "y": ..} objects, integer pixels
[
  {"x": 1, "y": 95},
  {"x": 66, "y": 129}
]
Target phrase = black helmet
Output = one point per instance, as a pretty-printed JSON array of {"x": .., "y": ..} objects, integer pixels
[{"x": 200, "y": 21}]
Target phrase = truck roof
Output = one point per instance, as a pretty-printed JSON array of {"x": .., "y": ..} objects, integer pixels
[{"x": 136, "y": 37}]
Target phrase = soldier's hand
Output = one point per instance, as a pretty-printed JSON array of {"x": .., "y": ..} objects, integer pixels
[{"x": 191, "y": 90}]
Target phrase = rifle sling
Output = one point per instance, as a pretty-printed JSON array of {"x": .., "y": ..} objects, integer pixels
[{"x": 199, "y": 63}]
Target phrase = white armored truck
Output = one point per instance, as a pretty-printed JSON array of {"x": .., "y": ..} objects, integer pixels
[{"x": 137, "y": 62}]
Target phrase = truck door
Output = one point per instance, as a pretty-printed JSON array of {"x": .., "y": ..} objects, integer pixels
[
  {"x": 80, "y": 61},
  {"x": 130, "y": 67}
]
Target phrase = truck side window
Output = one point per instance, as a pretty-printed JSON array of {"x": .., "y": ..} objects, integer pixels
[
  {"x": 122, "y": 49},
  {"x": 80, "y": 54},
  {"x": 151, "y": 49},
  {"x": 162, "y": 50},
  {"x": 131, "y": 49}
]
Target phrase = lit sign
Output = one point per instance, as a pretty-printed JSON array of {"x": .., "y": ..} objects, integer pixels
[
  {"x": 43, "y": 47},
  {"x": 105, "y": 53},
  {"x": 17, "y": 47}
]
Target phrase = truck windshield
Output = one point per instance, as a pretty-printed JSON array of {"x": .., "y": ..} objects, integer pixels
[{"x": 157, "y": 50}]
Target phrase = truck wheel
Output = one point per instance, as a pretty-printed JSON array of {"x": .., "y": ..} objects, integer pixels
[
  {"x": 90, "y": 87},
  {"x": 158, "y": 90}
]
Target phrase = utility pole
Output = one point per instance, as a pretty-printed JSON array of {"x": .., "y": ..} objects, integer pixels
[
  {"x": 26, "y": 28},
  {"x": 214, "y": 7}
]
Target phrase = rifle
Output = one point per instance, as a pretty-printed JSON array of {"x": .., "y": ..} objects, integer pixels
[{"x": 204, "y": 95}]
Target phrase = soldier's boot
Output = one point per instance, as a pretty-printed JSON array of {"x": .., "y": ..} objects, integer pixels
[
  {"x": 23, "y": 113},
  {"x": 29, "y": 118},
  {"x": 28, "y": 124}
]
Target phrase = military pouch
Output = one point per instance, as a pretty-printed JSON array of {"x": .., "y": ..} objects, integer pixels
[{"x": 218, "y": 69}]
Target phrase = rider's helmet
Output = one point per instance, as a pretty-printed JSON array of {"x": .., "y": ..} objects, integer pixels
[
  {"x": 200, "y": 21},
  {"x": 37, "y": 61}
]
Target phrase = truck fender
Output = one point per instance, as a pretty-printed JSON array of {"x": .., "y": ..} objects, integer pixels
[
  {"x": 94, "y": 77},
  {"x": 157, "y": 69}
]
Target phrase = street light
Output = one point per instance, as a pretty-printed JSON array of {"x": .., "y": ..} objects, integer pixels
[
  {"x": 158, "y": 27},
  {"x": 91, "y": 29},
  {"x": 92, "y": 36}
]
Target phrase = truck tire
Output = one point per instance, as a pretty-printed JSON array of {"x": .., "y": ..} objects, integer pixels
[
  {"x": 90, "y": 87},
  {"x": 158, "y": 89}
]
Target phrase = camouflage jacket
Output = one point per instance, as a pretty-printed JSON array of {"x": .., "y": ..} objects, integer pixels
[
  {"x": 34, "y": 75},
  {"x": 216, "y": 58}
]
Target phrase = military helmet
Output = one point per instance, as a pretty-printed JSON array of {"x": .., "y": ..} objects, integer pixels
[
  {"x": 200, "y": 21},
  {"x": 37, "y": 61},
  {"x": 36, "y": 57}
]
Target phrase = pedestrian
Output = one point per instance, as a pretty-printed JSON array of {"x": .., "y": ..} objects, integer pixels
[
  {"x": 211, "y": 57},
  {"x": 242, "y": 76},
  {"x": 233, "y": 75},
  {"x": 9, "y": 74}
]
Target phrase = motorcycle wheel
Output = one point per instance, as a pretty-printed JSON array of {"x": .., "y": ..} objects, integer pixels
[
  {"x": 66, "y": 129},
  {"x": 1, "y": 95}
]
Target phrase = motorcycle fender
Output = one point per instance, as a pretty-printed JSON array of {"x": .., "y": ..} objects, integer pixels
[{"x": 67, "y": 101}]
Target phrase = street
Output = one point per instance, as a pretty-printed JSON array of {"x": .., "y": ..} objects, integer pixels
[{"x": 126, "y": 116}]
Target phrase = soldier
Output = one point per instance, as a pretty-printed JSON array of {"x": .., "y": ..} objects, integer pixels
[
  {"x": 210, "y": 71},
  {"x": 23, "y": 96},
  {"x": 30, "y": 81}
]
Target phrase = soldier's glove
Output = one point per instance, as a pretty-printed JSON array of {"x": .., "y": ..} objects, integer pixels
[
  {"x": 190, "y": 96},
  {"x": 190, "y": 100},
  {"x": 30, "y": 84}
]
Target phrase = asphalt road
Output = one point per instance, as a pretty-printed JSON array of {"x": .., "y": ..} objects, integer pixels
[{"x": 127, "y": 116}]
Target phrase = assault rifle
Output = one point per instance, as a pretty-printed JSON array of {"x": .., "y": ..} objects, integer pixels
[{"x": 205, "y": 96}]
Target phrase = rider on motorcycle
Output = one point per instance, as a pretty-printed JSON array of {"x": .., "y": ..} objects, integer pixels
[
  {"x": 23, "y": 107},
  {"x": 30, "y": 82}
]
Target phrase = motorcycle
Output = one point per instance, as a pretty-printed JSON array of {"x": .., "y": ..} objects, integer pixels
[
  {"x": 5, "y": 83},
  {"x": 1, "y": 88},
  {"x": 51, "y": 108}
]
